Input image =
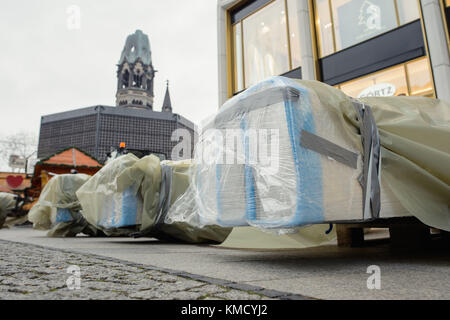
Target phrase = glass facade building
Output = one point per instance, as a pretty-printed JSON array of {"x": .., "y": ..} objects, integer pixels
[{"x": 363, "y": 47}]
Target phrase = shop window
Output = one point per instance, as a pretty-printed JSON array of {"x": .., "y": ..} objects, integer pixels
[
  {"x": 407, "y": 11},
  {"x": 294, "y": 29},
  {"x": 344, "y": 23},
  {"x": 386, "y": 83},
  {"x": 265, "y": 43},
  {"x": 412, "y": 78},
  {"x": 420, "y": 78},
  {"x": 325, "y": 28},
  {"x": 238, "y": 56},
  {"x": 359, "y": 20}
]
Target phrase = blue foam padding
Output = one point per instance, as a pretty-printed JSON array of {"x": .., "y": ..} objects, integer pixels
[
  {"x": 129, "y": 208},
  {"x": 308, "y": 166},
  {"x": 63, "y": 215},
  {"x": 250, "y": 193}
]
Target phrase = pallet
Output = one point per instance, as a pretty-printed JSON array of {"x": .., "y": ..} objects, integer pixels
[{"x": 404, "y": 232}]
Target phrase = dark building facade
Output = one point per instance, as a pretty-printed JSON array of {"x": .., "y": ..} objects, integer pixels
[
  {"x": 99, "y": 129},
  {"x": 96, "y": 130}
]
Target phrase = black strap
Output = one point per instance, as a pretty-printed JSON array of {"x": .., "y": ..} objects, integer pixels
[{"x": 370, "y": 179}]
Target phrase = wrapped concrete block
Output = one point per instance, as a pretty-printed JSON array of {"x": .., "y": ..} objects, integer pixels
[
  {"x": 131, "y": 197},
  {"x": 335, "y": 159},
  {"x": 175, "y": 184},
  {"x": 293, "y": 162},
  {"x": 58, "y": 208},
  {"x": 111, "y": 199}
]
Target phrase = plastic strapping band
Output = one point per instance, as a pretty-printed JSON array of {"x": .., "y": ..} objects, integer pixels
[
  {"x": 164, "y": 196},
  {"x": 163, "y": 205},
  {"x": 370, "y": 179}
]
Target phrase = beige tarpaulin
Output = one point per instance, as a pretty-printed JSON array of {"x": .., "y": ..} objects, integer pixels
[
  {"x": 58, "y": 209},
  {"x": 125, "y": 198},
  {"x": 415, "y": 164},
  {"x": 7, "y": 204},
  {"x": 415, "y": 148},
  {"x": 254, "y": 238},
  {"x": 109, "y": 199},
  {"x": 175, "y": 183}
]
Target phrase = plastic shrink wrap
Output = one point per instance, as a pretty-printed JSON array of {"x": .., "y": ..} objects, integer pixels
[
  {"x": 130, "y": 197},
  {"x": 287, "y": 153},
  {"x": 58, "y": 208},
  {"x": 174, "y": 184},
  {"x": 110, "y": 199},
  {"x": 7, "y": 204}
]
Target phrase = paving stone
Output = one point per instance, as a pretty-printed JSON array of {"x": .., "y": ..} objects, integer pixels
[{"x": 34, "y": 273}]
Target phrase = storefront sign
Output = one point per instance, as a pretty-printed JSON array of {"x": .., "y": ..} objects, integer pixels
[{"x": 379, "y": 90}]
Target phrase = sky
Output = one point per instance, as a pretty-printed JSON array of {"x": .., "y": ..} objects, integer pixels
[{"x": 49, "y": 65}]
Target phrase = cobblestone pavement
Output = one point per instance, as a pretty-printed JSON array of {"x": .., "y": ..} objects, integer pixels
[{"x": 30, "y": 272}]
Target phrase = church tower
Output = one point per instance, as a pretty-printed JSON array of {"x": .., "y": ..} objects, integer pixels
[
  {"x": 135, "y": 73},
  {"x": 167, "y": 104}
]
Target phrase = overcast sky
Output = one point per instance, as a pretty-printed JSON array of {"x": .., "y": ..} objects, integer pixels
[{"x": 45, "y": 67}]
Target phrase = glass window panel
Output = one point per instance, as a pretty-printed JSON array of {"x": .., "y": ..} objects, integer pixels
[
  {"x": 359, "y": 20},
  {"x": 294, "y": 29},
  {"x": 324, "y": 27},
  {"x": 420, "y": 78},
  {"x": 393, "y": 79},
  {"x": 266, "y": 49},
  {"x": 447, "y": 3},
  {"x": 238, "y": 66},
  {"x": 408, "y": 11}
]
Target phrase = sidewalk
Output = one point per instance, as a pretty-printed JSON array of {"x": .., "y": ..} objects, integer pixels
[
  {"x": 325, "y": 272},
  {"x": 35, "y": 273}
]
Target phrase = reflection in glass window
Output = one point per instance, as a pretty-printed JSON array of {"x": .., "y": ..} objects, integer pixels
[
  {"x": 420, "y": 78},
  {"x": 407, "y": 12},
  {"x": 386, "y": 83},
  {"x": 359, "y": 20},
  {"x": 238, "y": 67},
  {"x": 354, "y": 21},
  {"x": 324, "y": 28},
  {"x": 294, "y": 30},
  {"x": 266, "y": 47}
]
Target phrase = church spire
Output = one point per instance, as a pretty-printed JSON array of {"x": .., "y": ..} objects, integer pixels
[
  {"x": 167, "y": 104},
  {"x": 135, "y": 73}
]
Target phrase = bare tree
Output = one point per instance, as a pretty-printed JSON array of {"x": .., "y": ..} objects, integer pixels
[{"x": 22, "y": 144}]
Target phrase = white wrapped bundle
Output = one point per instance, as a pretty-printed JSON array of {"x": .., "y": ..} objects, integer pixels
[
  {"x": 295, "y": 185},
  {"x": 220, "y": 187},
  {"x": 295, "y": 162},
  {"x": 110, "y": 199}
]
